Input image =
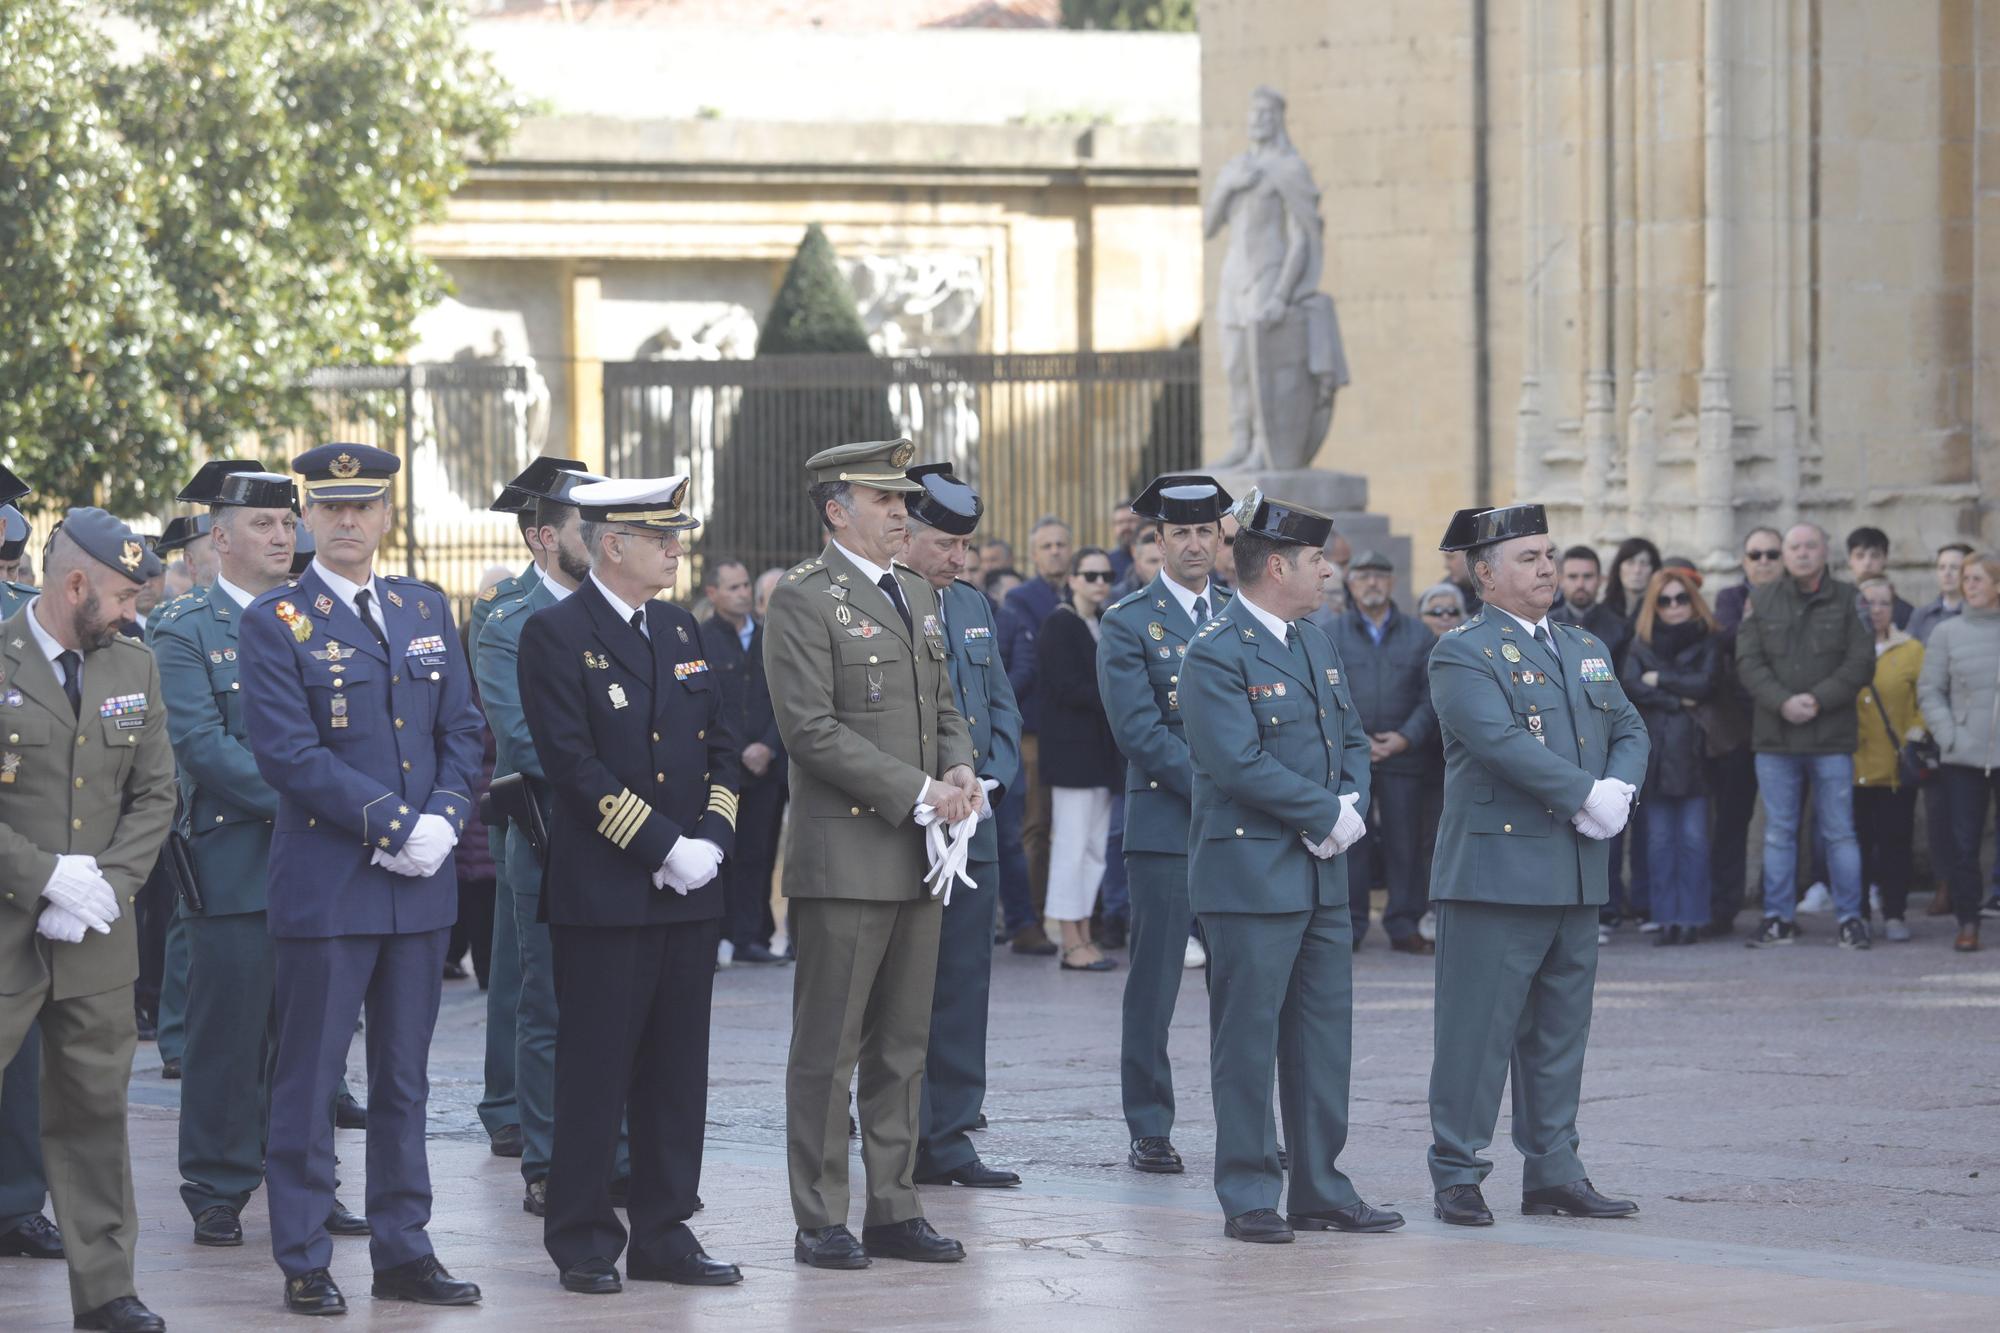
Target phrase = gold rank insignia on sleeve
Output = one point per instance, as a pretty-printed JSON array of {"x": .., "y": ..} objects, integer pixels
[
  {"x": 722, "y": 801},
  {"x": 623, "y": 815}
]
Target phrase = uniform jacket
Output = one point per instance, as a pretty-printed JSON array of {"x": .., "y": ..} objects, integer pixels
[
  {"x": 639, "y": 750},
  {"x": 507, "y": 590},
  {"x": 98, "y": 782},
  {"x": 1897, "y": 669},
  {"x": 1388, "y": 684},
  {"x": 228, "y": 808},
  {"x": 739, "y": 673},
  {"x": 867, "y": 713},
  {"x": 1959, "y": 689},
  {"x": 1076, "y": 747},
  {"x": 1804, "y": 643},
  {"x": 1522, "y": 746},
  {"x": 979, "y": 684},
  {"x": 410, "y": 743},
  {"x": 496, "y": 667},
  {"x": 1274, "y": 746},
  {"x": 14, "y": 595},
  {"x": 1678, "y": 763},
  {"x": 1141, "y": 647}
]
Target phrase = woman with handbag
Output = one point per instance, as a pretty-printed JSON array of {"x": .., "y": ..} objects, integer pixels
[
  {"x": 1959, "y": 689},
  {"x": 1885, "y": 798}
]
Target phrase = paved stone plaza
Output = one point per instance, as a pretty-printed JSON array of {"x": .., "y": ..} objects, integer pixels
[{"x": 1811, "y": 1135}]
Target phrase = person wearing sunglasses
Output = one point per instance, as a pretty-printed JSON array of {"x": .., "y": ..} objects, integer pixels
[
  {"x": 1441, "y": 608},
  {"x": 1733, "y": 774}
]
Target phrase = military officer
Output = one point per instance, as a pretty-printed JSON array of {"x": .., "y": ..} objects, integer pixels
[
  {"x": 359, "y": 711},
  {"x": 1144, "y": 638},
  {"x": 860, "y": 682},
  {"x": 86, "y": 798},
  {"x": 13, "y": 534},
  {"x": 1280, "y": 768},
  {"x": 1542, "y": 753},
  {"x": 942, "y": 518},
  {"x": 226, "y": 816}
]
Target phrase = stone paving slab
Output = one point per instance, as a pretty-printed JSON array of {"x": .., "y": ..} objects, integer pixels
[{"x": 1812, "y": 1135}]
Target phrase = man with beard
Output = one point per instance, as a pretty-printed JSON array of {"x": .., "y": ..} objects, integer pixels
[
  {"x": 86, "y": 798},
  {"x": 1578, "y": 603}
]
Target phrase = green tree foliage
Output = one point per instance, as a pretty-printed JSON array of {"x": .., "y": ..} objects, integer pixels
[
  {"x": 273, "y": 160},
  {"x": 1130, "y": 15},
  {"x": 760, "y": 514}
]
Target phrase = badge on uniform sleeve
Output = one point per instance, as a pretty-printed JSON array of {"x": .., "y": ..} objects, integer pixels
[
  {"x": 1156, "y": 629},
  {"x": 617, "y": 695},
  {"x": 1510, "y": 652}
]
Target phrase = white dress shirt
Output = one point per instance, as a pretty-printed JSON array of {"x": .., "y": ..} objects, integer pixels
[
  {"x": 1186, "y": 598},
  {"x": 1264, "y": 618},
  {"x": 47, "y": 643},
  {"x": 234, "y": 593},
  {"x": 620, "y": 606},
  {"x": 345, "y": 589}
]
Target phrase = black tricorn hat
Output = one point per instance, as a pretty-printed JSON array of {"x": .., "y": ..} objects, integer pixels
[
  {"x": 1282, "y": 521},
  {"x": 180, "y": 531},
  {"x": 302, "y": 552},
  {"x": 540, "y": 480},
  {"x": 207, "y": 483},
  {"x": 13, "y": 532},
  {"x": 945, "y": 502},
  {"x": 1183, "y": 497},
  {"x": 12, "y": 488},
  {"x": 256, "y": 490},
  {"x": 1477, "y": 527}
]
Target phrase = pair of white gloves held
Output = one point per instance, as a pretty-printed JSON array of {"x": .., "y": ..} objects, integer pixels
[
  {"x": 1605, "y": 810},
  {"x": 690, "y": 863},
  {"x": 950, "y": 847},
  {"x": 424, "y": 851},
  {"x": 79, "y": 899},
  {"x": 1347, "y": 830}
]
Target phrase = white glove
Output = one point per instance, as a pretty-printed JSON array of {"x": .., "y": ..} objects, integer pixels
[
  {"x": 690, "y": 863},
  {"x": 1605, "y": 810},
  {"x": 950, "y": 849},
  {"x": 1322, "y": 849},
  {"x": 398, "y": 863},
  {"x": 1347, "y": 830},
  {"x": 430, "y": 842},
  {"x": 663, "y": 878},
  {"x": 79, "y": 888},
  {"x": 60, "y": 924},
  {"x": 986, "y": 806}
]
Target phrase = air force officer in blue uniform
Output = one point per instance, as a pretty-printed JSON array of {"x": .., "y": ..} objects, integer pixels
[{"x": 361, "y": 717}]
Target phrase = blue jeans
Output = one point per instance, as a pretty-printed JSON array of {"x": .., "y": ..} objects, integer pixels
[
  {"x": 1782, "y": 779},
  {"x": 1677, "y": 859}
]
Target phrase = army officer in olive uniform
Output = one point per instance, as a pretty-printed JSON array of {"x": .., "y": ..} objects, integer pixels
[
  {"x": 1280, "y": 778},
  {"x": 86, "y": 798},
  {"x": 1542, "y": 754},
  {"x": 859, "y": 676}
]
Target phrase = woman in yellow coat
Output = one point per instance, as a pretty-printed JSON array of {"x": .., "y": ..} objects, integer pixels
[{"x": 1885, "y": 810}]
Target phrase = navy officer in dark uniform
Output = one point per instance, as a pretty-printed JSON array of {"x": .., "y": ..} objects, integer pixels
[
  {"x": 360, "y": 715},
  {"x": 638, "y": 748}
]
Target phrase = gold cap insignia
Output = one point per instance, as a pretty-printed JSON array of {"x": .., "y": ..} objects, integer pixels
[
  {"x": 344, "y": 466},
  {"x": 132, "y": 554},
  {"x": 903, "y": 454}
]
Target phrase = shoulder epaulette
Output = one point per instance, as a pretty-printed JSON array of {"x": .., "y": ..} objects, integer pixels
[
  {"x": 1137, "y": 595},
  {"x": 490, "y": 593},
  {"x": 800, "y": 571}
]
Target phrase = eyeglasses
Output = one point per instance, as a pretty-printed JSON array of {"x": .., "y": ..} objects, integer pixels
[
  {"x": 1094, "y": 575},
  {"x": 659, "y": 539},
  {"x": 1764, "y": 553},
  {"x": 1443, "y": 612},
  {"x": 1674, "y": 599}
]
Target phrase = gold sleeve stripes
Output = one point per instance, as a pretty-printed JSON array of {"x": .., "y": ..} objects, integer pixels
[
  {"x": 623, "y": 814},
  {"x": 722, "y": 801}
]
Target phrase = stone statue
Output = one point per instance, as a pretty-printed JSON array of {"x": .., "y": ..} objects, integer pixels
[{"x": 1280, "y": 337}]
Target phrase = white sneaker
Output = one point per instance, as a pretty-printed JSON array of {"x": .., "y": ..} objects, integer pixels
[
  {"x": 1196, "y": 956},
  {"x": 1895, "y": 931},
  {"x": 1603, "y": 934},
  {"x": 1648, "y": 927},
  {"x": 1875, "y": 899},
  {"x": 1427, "y": 926},
  {"x": 1818, "y": 899},
  {"x": 725, "y": 953}
]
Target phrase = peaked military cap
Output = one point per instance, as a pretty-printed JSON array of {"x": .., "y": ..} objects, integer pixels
[
  {"x": 1183, "y": 497},
  {"x": 943, "y": 502},
  {"x": 346, "y": 471},
  {"x": 207, "y": 483},
  {"x": 1476, "y": 527},
  {"x": 13, "y": 532},
  {"x": 111, "y": 543},
  {"x": 881, "y": 464},
  {"x": 302, "y": 551},
  {"x": 1282, "y": 521},
  {"x": 1371, "y": 559},
  {"x": 180, "y": 531},
  {"x": 641, "y": 502}
]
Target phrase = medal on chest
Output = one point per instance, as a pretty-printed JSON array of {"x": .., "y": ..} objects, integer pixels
[{"x": 616, "y": 693}]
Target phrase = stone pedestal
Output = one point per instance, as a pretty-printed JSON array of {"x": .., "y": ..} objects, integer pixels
[{"x": 1344, "y": 497}]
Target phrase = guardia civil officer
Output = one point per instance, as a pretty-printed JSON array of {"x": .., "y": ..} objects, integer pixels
[
  {"x": 635, "y": 742},
  {"x": 861, "y": 684},
  {"x": 1280, "y": 777},
  {"x": 942, "y": 518},
  {"x": 226, "y": 816},
  {"x": 359, "y": 713},
  {"x": 1542, "y": 753},
  {"x": 86, "y": 798},
  {"x": 14, "y": 532},
  {"x": 1144, "y": 638}
]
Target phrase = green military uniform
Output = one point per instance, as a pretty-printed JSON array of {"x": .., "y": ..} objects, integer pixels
[
  {"x": 93, "y": 779},
  {"x": 865, "y": 706},
  {"x": 1528, "y": 728},
  {"x": 1275, "y": 743},
  {"x": 24, "y": 1188}
]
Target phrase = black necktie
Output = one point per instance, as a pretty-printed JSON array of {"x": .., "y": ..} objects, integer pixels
[
  {"x": 362, "y": 610},
  {"x": 1200, "y": 610},
  {"x": 639, "y": 625},
  {"x": 72, "y": 665},
  {"x": 1296, "y": 642},
  {"x": 887, "y": 583}
]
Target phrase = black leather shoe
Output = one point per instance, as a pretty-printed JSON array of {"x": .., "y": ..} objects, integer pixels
[
  {"x": 170, "y": 1068},
  {"x": 36, "y": 1238},
  {"x": 757, "y": 953},
  {"x": 1284, "y": 1160},
  {"x": 506, "y": 1141},
  {"x": 592, "y": 1277},
  {"x": 1463, "y": 1206},
  {"x": 348, "y": 1113},
  {"x": 1354, "y": 1217},
  {"x": 535, "y": 1199},
  {"x": 314, "y": 1293},
  {"x": 1577, "y": 1199},
  {"x": 1155, "y": 1156},
  {"x": 341, "y": 1222},
  {"x": 690, "y": 1270},
  {"x": 426, "y": 1282},
  {"x": 914, "y": 1240},
  {"x": 149, "y": 1028},
  {"x": 125, "y": 1314},
  {"x": 1260, "y": 1226},
  {"x": 1114, "y": 934},
  {"x": 216, "y": 1225},
  {"x": 829, "y": 1247},
  {"x": 975, "y": 1174},
  {"x": 981, "y": 1122}
]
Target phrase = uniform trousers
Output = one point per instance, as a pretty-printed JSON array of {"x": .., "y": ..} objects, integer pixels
[
  {"x": 1514, "y": 987},
  {"x": 1280, "y": 1001},
  {"x": 87, "y": 1044},
  {"x": 632, "y": 1015},
  {"x": 172, "y": 1039},
  {"x": 861, "y": 996},
  {"x": 760, "y": 814},
  {"x": 1082, "y": 822},
  {"x": 1160, "y": 920},
  {"x": 955, "y": 1063},
  {"x": 225, "y": 1085},
  {"x": 498, "y": 1108},
  {"x": 24, "y": 1186},
  {"x": 322, "y": 984}
]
